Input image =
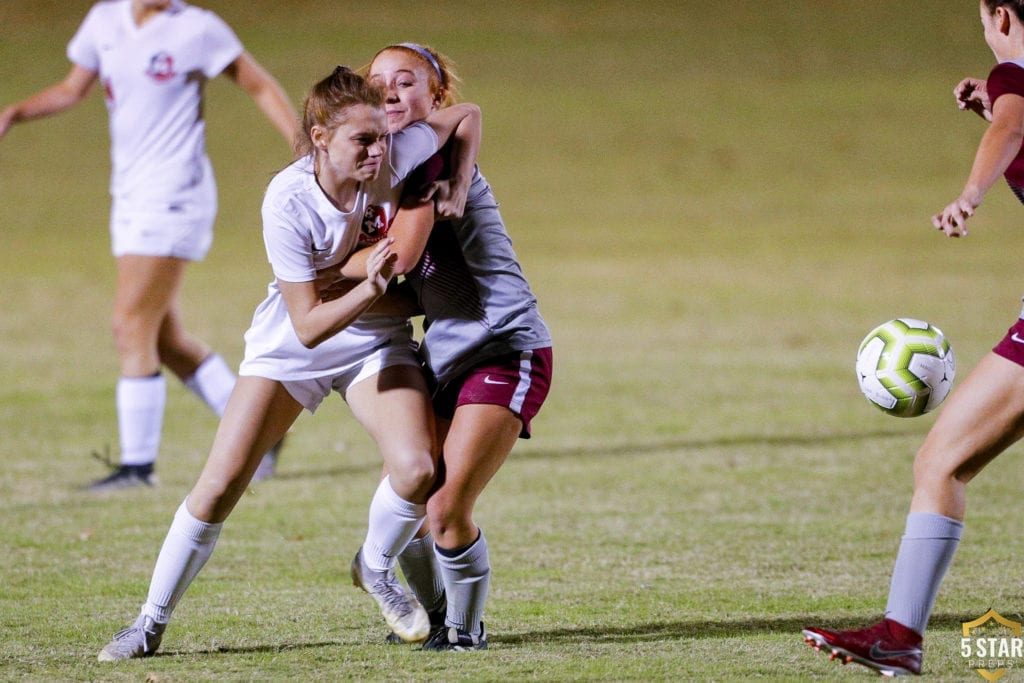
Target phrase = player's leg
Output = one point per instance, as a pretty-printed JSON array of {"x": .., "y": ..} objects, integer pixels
[
  {"x": 258, "y": 413},
  {"x": 204, "y": 372},
  {"x": 146, "y": 286},
  {"x": 394, "y": 408},
  {"x": 983, "y": 416},
  {"x": 418, "y": 562},
  {"x": 495, "y": 405},
  {"x": 476, "y": 446}
]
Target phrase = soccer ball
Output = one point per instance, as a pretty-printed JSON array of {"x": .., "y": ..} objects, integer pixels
[{"x": 905, "y": 367}]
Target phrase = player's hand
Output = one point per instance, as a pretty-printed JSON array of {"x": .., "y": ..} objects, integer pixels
[
  {"x": 380, "y": 265},
  {"x": 953, "y": 219},
  {"x": 972, "y": 94},
  {"x": 449, "y": 199}
]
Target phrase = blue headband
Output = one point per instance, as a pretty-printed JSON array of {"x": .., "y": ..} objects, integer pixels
[{"x": 425, "y": 53}]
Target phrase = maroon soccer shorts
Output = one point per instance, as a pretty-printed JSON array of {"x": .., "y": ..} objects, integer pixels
[
  {"x": 1012, "y": 345},
  {"x": 519, "y": 381}
]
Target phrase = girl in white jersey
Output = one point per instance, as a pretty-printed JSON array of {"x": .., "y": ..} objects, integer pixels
[
  {"x": 486, "y": 347},
  {"x": 303, "y": 344},
  {"x": 985, "y": 414},
  {"x": 153, "y": 58}
]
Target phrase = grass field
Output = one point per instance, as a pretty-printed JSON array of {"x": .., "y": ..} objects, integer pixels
[{"x": 714, "y": 204}]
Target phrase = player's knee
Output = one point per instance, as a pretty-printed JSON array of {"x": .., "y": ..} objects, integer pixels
[
  {"x": 414, "y": 478},
  {"x": 447, "y": 515},
  {"x": 932, "y": 472}
]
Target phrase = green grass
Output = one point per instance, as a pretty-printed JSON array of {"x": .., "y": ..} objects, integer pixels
[{"x": 714, "y": 205}]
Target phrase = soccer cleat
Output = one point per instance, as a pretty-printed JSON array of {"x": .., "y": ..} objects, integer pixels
[
  {"x": 125, "y": 477},
  {"x": 456, "y": 640},
  {"x": 402, "y": 611},
  {"x": 141, "y": 639},
  {"x": 436, "y": 623},
  {"x": 888, "y": 647},
  {"x": 269, "y": 463}
]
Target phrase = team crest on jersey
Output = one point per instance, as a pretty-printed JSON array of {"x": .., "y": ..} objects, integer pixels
[
  {"x": 375, "y": 225},
  {"x": 161, "y": 67}
]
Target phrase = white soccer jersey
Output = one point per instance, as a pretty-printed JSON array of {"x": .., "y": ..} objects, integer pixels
[
  {"x": 153, "y": 77},
  {"x": 304, "y": 232}
]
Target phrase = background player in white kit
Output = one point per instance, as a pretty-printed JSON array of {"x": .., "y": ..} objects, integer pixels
[
  {"x": 153, "y": 58},
  {"x": 303, "y": 344}
]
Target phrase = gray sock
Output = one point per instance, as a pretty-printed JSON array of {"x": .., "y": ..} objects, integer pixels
[
  {"x": 419, "y": 566},
  {"x": 467, "y": 580},
  {"x": 926, "y": 551}
]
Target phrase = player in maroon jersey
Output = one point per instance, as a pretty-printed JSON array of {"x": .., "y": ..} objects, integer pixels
[{"x": 985, "y": 414}]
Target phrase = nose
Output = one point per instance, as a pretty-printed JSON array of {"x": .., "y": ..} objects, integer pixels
[
  {"x": 377, "y": 148},
  {"x": 391, "y": 93}
]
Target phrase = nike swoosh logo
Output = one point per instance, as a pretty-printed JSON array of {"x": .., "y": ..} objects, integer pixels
[
  {"x": 880, "y": 653},
  {"x": 488, "y": 380},
  {"x": 1014, "y": 337}
]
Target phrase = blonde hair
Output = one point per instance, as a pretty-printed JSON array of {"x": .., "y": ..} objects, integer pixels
[
  {"x": 443, "y": 79},
  {"x": 329, "y": 100}
]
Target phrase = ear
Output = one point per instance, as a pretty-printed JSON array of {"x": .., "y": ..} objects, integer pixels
[
  {"x": 319, "y": 136},
  {"x": 439, "y": 96},
  {"x": 1004, "y": 19}
]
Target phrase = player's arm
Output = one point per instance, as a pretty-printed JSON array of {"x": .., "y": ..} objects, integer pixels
[
  {"x": 450, "y": 195},
  {"x": 59, "y": 97},
  {"x": 316, "y": 320},
  {"x": 463, "y": 124},
  {"x": 268, "y": 94},
  {"x": 399, "y": 300},
  {"x": 999, "y": 146},
  {"x": 410, "y": 231}
]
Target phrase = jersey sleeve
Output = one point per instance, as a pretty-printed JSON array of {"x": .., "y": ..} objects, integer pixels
[
  {"x": 409, "y": 148},
  {"x": 432, "y": 169},
  {"x": 221, "y": 45},
  {"x": 82, "y": 49},
  {"x": 1005, "y": 78},
  {"x": 289, "y": 246}
]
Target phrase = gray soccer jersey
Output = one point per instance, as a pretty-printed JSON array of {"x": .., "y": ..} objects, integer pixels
[{"x": 477, "y": 304}]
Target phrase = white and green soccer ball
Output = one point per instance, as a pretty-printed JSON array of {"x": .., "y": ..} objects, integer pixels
[{"x": 905, "y": 367}]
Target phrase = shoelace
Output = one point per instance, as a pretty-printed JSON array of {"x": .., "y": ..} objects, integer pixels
[{"x": 395, "y": 599}]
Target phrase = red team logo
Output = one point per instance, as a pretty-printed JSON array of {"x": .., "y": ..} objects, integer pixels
[
  {"x": 375, "y": 225},
  {"x": 161, "y": 67}
]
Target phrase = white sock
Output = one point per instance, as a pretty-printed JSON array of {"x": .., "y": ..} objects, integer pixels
[
  {"x": 467, "y": 581},
  {"x": 925, "y": 553},
  {"x": 213, "y": 381},
  {"x": 393, "y": 523},
  {"x": 140, "y": 417},
  {"x": 419, "y": 566},
  {"x": 186, "y": 549}
]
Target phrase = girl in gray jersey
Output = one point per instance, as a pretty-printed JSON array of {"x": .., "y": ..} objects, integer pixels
[{"x": 485, "y": 346}]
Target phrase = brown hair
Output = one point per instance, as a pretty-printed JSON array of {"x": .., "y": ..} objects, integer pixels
[
  {"x": 328, "y": 102},
  {"x": 1016, "y": 5}
]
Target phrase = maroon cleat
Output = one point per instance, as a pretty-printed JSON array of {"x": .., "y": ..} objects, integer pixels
[{"x": 888, "y": 647}]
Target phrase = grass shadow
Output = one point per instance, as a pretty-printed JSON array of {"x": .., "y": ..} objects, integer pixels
[
  {"x": 704, "y": 629},
  {"x": 619, "y": 450}
]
